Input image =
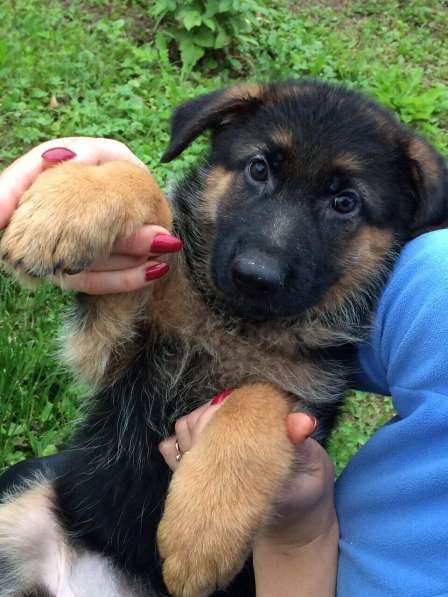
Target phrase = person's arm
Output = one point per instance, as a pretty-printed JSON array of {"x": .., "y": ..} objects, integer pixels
[
  {"x": 295, "y": 555},
  {"x": 124, "y": 270},
  {"x": 307, "y": 570}
]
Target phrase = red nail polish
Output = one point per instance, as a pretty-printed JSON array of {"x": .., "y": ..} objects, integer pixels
[
  {"x": 221, "y": 396},
  {"x": 165, "y": 243},
  {"x": 156, "y": 271},
  {"x": 58, "y": 154}
]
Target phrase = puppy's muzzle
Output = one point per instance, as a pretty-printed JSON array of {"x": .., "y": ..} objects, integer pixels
[{"x": 254, "y": 272}]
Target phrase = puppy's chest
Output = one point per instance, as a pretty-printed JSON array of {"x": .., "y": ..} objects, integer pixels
[
  {"x": 237, "y": 359},
  {"x": 220, "y": 353}
]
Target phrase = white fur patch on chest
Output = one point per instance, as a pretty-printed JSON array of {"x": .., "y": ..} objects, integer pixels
[{"x": 84, "y": 575}]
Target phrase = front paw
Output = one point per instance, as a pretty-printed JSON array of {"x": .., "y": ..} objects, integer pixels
[
  {"x": 203, "y": 537},
  {"x": 74, "y": 213},
  {"x": 221, "y": 493},
  {"x": 45, "y": 238}
]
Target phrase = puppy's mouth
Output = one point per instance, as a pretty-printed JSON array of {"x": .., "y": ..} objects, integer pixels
[
  {"x": 252, "y": 312},
  {"x": 262, "y": 310},
  {"x": 259, "y": 287}
]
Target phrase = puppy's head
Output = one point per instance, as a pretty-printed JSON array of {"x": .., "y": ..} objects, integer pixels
[{"x": 308, "y": 189}]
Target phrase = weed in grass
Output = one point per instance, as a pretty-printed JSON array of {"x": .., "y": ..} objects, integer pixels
[{"x": 362, "y": 414}]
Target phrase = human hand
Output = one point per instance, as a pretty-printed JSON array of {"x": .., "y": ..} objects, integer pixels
[
  {"x": 304, "y": 508},
  {"x": 131, "y": 265}
]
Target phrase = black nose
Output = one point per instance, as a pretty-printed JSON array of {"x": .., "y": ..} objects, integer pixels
[{"x": 254, "y": 272}]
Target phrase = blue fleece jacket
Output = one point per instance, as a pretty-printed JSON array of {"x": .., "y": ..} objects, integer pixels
[{"x": 392, "y": 499}]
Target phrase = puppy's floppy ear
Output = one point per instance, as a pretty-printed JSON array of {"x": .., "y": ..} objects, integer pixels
[
  {"x": 210, "y": 111},
  {"x": 429, "y": 178}
]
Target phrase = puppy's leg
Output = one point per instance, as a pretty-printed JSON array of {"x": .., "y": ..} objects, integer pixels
[
  {"x": 220, "y": 495},
  {"x": 69, "y": 217}
]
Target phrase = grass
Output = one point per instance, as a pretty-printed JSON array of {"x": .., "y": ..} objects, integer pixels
[
  {"x": 37, "y": 402},
  {"x": 95, "y": 68}
]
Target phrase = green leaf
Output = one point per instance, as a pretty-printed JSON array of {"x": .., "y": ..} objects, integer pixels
[
  {"x": 212, "y": 8},
  {"x": 221, "y": 40},
  {"x": 190, "y": 54},
  {"x": 204, "y": 38},
  {"x": 46, "y": 411},
  {"x": 225, "y": 5},
  {"x": 190, "y": 19},
  {"x": 49, "y": 450},
  {"x": 210, "y": 23}
]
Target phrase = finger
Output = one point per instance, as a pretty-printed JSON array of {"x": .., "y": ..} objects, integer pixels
[
  {"x": 193, "y": 417},
  {"x": 168, "y": 451},
  {"x": 15, "y": 180},
  {"x": 204, "y": 419},
  {"x": 116, "y": 263},
  {"x": 300, "y": 426},
  {"x": 189, "y": 427},
  {"x": 21, "y": 174},
  {"x": 91, "y": 150},
  {"x": 54, "y": 156},
  {"x": 187, "y": 430},
  {"x": 205, "y": 414},
  {"x": 102, "y": 150},
  {"x": 112, "y": 282},
  {"x": 183, "y": 428},
  {"x": 183, "y": 434},
  {"x": 140, "y": 242}
]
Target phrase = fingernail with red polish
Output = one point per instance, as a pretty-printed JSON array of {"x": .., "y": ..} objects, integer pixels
[
  {"x": 156, "y": 271},
  {"x": 221, "y": 396},
  {"x": 165, "y": 243},
  {"x": 58, "y": 154}
]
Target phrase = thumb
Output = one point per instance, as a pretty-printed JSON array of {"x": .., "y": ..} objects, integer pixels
[{"x": 300, "y": 426}]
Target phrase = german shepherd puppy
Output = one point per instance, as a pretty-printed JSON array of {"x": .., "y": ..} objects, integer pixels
[{"x": 290, "y": 226}]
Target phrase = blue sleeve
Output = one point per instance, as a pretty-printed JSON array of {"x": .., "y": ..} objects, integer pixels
[{"x": 392, "y": 499}]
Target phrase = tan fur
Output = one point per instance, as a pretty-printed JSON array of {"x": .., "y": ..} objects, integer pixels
[
  {"x": 285, "y": 139},
  {"x": 210, "y": 519},
  {"x": 267, "y": 355},
  {"x": 22, "y": 548},
  {"x": 425, "y": 156},
  {"x": 347, "y": 162},
  {"x": 90, "y": 349},
  {"x": 245, "y": 91},
  {"x": 219, "y": 181},
  {"x": 73, "y": 214},
  {"x": 286, "y": 92},
  {"x": 360, "y": 263}
]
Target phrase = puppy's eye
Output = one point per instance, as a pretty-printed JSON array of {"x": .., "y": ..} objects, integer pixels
[
  {"x": 346, "y": 202},
  {"x": 259, "y": 170}
]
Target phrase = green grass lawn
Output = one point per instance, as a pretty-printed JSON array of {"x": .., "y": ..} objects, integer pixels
[{"x": 102, "y": 68}]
